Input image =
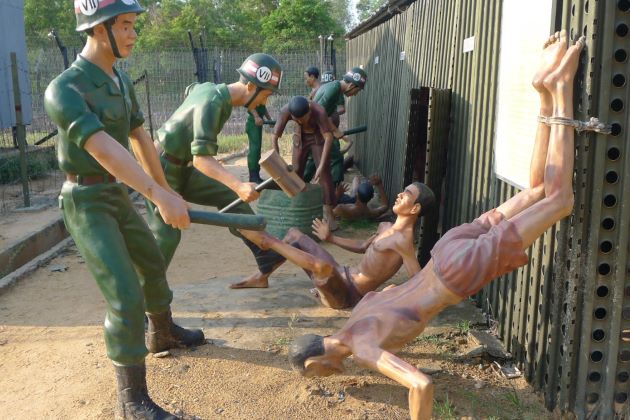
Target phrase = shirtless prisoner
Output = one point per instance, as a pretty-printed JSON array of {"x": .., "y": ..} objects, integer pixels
[
  {"x": 355, "y": 206},
  {"x": 467, "y": 257},
  {"x": 385, "y": 252}
]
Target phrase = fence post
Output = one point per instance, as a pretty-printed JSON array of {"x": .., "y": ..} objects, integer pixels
[
  {"x": 20, "y": 129},
  {"x": 146, "y": 81}
]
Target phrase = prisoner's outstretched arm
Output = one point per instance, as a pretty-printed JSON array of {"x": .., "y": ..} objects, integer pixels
[
  {"x": 419, "y": 385},
  {"x": 322, "y": 231},
  {"x": 382, "y": 196},
  {"x": 274, "y": 143}
]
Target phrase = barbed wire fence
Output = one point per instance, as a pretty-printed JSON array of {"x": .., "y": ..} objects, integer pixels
[{"x": 160, "y": 77}]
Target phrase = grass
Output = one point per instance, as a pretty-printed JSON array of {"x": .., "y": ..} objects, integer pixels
[
  {"x": 358, "y": 224},
  {"x": 512, "y": 398},
  {"x": 282, "y": 341},
  {"x": 443, "y": 409},
  {"x": 436, "y": 339},
  {"x": 473, "y": 398},
  {"x": 237, "y": 142},
  {"x": 463, "y": 326}
]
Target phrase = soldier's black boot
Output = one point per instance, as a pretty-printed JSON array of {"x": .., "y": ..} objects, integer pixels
[
  {"x": 254, "y": 176},
  {"x": 134, "y": 402},
  {"x": 163, "y": 334}
]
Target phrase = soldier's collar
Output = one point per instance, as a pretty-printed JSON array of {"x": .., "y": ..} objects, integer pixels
[{"x": 94, "y": 72}]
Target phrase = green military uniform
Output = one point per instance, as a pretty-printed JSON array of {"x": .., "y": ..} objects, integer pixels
[
  {"x": 254, "y": 135},
  {"x": 192, "y": 131},
  {"x": 114, "y": 240},
  {"x": 330, "y": 96}
]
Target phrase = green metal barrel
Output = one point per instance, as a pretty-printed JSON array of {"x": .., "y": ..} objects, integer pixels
[{"x": 282, "y": 212}]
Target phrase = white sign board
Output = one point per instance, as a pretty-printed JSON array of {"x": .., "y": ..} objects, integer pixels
[
  {"x": 524, "y": 30},
  {"x": 469, "y": 44}
]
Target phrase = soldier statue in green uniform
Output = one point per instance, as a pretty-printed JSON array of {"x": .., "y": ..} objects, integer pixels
[
  {"x": 254, "y": 130},
  {"x": 95, "y": 109},
  {"x": 187, "y": 143},
  {"x": 331, "y": 96}
]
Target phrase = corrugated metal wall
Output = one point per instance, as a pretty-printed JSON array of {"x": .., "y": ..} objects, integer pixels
[{"x": 563, "y": 315}]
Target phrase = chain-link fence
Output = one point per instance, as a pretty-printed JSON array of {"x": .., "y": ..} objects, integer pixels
[{"x": 161, "y": 78}]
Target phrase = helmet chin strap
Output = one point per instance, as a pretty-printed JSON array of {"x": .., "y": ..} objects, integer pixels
[
  {"x": 258, "y": 90},
  {"x": 112, "y": 40}
]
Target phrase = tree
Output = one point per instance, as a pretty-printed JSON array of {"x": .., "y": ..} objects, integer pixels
[
  {"x": 296, "y": 24},
  {"x": 366, "y": 8},
  {"x": 340, "y": 12},
  {"x": 42, "y": 16}
]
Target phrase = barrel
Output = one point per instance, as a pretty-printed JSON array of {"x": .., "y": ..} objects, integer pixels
[{"x": 283, "y": 213}]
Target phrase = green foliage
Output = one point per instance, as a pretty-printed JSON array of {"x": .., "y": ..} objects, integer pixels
[
  {"x": 340, "y": 12},
  {"x": 463, "y": 326},
  {"x": 365, "y": 8},
  {"x": 38, "y": 165},
  {"x": 42, "y": 16},
  {"x": 296, "y": 24},
  {"x": 237, "y": 24},
  {"x": 444, "y": 409}
]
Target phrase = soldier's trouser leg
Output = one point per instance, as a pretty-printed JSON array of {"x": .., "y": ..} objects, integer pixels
[
  {"x": 167, "y": 237},
  {"x": 122, "y": 255},
  {"x": 254, "y": 135},
  {"x": 336, "y": 162}
]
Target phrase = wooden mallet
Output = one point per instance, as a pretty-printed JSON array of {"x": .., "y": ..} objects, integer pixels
[{"x": 280, "y": 173}]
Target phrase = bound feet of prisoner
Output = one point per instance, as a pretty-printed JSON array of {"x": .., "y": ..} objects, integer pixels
[
  {"x": 254, "y": 176},
  {"x": 553, "y": 51},
  {"x": 330, "y": 218},
  {"x": 163, "y": 334},
  {"x": 560, "y": 81},
  {"x": 133, "y": 396}
]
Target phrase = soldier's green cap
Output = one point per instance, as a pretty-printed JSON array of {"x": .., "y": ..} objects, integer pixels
[
  {"x": 90, "y": 13},
  {"x": 262, "y": 70},
  {"x": 357, "y": 76}
]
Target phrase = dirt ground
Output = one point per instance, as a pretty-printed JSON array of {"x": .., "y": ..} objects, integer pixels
[{"x": 53, "y": 363}]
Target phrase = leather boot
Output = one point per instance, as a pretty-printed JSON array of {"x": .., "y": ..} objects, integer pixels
[
  {"x": 163, "y": 334},
  {"x": 133, "y": 397},
  {"x": 254, "y": 176}
]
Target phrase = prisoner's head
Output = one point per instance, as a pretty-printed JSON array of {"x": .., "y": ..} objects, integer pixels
[
  {"x": 365, "y": 192},
  {"x": 308, "y": 356},
  {"x": 300, "y": 109},
  {"x": 415, "y": 200},
  {"x": 311, "y": 76}
]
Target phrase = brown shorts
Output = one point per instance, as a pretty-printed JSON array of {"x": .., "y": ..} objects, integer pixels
[
  {"x": 471, "y": 255},
  {"x": 338, "y": 289}
]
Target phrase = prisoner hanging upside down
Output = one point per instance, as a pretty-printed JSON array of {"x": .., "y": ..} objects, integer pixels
[
  {"x": 467, "y": 257},
  {"x": 385, "y": 252}
]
